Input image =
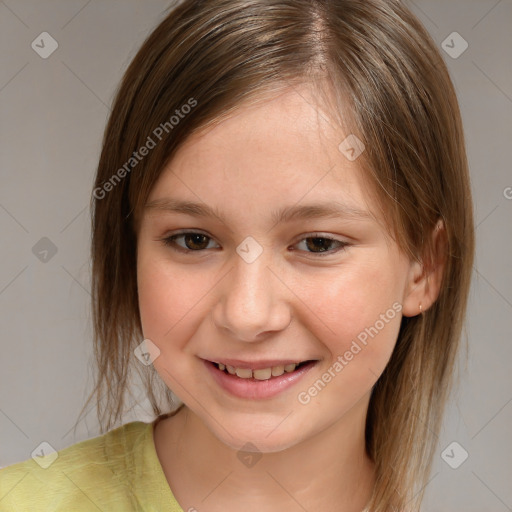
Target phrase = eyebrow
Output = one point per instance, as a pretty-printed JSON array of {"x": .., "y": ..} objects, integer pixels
[{"x": 331, "y": 209}]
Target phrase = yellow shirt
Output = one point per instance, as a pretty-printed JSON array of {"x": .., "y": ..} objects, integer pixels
[{"x": 117, "y": 471}]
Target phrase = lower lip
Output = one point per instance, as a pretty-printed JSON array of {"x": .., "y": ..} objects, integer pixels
[{"x": 257, "y": 389}]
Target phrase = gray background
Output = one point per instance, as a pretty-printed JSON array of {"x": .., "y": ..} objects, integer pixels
[{"x": 53, "y": 112}]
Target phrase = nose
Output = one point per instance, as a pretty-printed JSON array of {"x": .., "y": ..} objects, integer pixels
[{"x": 253, "y": 302}]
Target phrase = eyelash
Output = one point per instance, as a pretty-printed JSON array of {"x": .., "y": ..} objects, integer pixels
[{"x": 169, "y": 241}]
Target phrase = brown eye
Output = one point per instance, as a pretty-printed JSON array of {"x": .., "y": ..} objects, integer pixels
[
  {"x": 321, "y": 245},
  {"x": 190, "y": 242},
  {"x": 195, "y": 241}
]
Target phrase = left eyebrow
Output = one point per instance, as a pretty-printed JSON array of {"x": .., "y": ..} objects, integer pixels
[
  {"x": 286, "y": 214},
  {"x": 316, "y": 211}
]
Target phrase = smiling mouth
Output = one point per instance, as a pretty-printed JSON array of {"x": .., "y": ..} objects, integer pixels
[{"x": 261, "y": 373}]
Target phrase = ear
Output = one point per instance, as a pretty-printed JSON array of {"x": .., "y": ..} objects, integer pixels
[{"x": 425, "y": 277}]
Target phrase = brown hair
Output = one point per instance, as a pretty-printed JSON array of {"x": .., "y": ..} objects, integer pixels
[{"x": 380, "y": 62}]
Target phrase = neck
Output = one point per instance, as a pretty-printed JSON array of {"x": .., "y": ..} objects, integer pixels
[{"x": 329, "y": 472}]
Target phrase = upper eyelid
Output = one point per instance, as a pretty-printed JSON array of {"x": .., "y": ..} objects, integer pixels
[{"x": 313, "y": 234}]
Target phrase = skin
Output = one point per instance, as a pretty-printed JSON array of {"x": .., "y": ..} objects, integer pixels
[{"x": 289, "y": 303}]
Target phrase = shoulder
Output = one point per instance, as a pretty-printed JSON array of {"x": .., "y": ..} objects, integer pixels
[{"x": 88, "y": 475}]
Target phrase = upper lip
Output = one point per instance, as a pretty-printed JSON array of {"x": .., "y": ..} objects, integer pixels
[{"x": 258, "y": 365}]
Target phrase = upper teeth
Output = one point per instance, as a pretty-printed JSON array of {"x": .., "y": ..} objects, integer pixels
[{"x": 261, "y": 374}]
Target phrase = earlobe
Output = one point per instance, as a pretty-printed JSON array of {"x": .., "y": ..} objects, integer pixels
[{"x": 425, "y": 277}]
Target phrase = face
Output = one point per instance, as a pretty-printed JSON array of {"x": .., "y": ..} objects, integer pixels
[{"x": 257, "y": 277}]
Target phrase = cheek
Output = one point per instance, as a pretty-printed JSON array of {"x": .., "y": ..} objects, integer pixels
[
  {"x": 167, "y": 300},
  {"x": 169, "y": 305},
  {"x": 361, "y": 314},
  {"x": 360, "y": 304}
]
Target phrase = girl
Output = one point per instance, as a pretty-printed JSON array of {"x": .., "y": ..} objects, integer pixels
[{"x": 282, "y": 249}]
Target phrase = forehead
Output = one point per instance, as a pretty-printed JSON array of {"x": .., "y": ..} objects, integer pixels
[{"x": 278, "y": 151}]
